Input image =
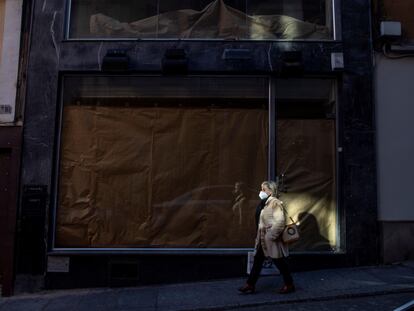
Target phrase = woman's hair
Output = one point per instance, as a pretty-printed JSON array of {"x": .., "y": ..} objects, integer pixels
[{"x": 272, "y": 186}]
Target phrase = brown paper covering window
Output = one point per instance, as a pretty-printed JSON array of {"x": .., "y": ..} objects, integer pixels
[
  {"x": 165, "y": 177},
  {"x": 306, "y": 155},
  {"x": 160, "y": 177}
]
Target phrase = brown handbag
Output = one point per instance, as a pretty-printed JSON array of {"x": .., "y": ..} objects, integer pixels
[{"x": 291, "y": 232}]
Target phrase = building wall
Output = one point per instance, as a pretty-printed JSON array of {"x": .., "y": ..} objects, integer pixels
[
  {"x": 10, "y": 136},
  {"x": 10, "y": 27},
  {"x": 394, "y": 78},
  {"x": 2, "y": 7},
  {"x": 51, "y": 56}
]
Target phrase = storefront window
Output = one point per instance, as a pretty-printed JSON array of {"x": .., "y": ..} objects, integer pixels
[
  {"x": 176, "y": 162},
  {"x": 204, "y": 19},
  {"x": 160, "y": 162},
  {"x": 306, "y": 159}
]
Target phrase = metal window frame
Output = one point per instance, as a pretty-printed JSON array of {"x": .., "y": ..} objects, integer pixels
[
  {"x": 137, "y": 250},
  {"x": 339, "y": 247},
  {"x": 336, "y": 20},
  {"x": 272, "y": 154},
  {"x": 336, "y": 30},
  {"x": 340, "y": 212}
]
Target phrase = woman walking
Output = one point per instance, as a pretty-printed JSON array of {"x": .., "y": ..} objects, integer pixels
[{"x": 269, "y": 241}]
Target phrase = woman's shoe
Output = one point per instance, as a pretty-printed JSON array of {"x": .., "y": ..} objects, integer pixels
[
  {"x": 247, "y": 289},
  {"x": 287, "y": 289}
]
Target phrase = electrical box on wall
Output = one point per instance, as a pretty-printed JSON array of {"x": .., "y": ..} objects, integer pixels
[
  {"x": 337, "y": 61},
  {"x": 390, "y": 29}
]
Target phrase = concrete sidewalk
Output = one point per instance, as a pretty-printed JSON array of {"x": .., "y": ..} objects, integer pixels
[{"x": 220, "y": 295}]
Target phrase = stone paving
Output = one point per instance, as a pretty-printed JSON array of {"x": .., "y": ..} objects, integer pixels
[{"x": 322, "y": 285}]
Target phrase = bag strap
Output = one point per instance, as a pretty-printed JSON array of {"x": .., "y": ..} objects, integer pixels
[{"x": 291, "y": 219}]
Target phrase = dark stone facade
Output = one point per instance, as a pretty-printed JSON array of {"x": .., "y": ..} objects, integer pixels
[{"x": 51, "y": 55}]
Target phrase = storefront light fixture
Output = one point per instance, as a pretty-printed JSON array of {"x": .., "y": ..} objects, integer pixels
[
  {"x": 292, "y": 64},
  {"x": 390, "y": 30},
  {"x": 175, "y": 61},
  {"x": 237, "y": 54},
  {"x": 115, "y": 61}
]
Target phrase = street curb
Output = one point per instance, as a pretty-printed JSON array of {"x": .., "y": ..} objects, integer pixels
[{"x": 303, "y": 300}]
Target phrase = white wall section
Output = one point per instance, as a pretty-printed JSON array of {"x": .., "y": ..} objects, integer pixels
[
  {"x": 394, "y": 91},
  {"x": 9, "y": 58}
]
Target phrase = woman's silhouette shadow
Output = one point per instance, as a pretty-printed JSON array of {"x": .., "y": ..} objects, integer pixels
[{"x": 311, "y": 238}]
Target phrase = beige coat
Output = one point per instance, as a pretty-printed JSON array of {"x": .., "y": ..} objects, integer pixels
[{"x": 271, "y": 225}]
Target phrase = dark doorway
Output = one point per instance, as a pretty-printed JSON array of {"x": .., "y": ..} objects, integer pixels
[
  {"x": 4, "y": 199},
  {"x": 9, "y": 164}
]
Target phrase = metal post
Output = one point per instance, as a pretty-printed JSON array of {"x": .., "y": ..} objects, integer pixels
[{"x": 272, "y": 129}]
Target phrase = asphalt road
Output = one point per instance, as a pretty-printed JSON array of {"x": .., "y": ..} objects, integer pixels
[{"x": 387, "y": 302}]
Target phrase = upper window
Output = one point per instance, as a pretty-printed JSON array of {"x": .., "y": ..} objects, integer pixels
[{"x": 202, "y": 19}]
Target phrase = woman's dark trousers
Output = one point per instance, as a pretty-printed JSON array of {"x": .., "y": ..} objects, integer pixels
[{"x": 280, "y": 263}]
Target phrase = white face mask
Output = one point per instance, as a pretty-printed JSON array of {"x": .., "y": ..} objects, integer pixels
[{"x": 263, "y": 195}]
